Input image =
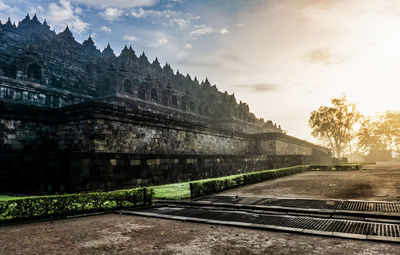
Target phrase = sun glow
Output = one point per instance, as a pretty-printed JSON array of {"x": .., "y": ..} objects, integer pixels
[{"x": 310, "y": 51}]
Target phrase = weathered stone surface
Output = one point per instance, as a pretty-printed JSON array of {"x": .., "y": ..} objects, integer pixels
[
  {"x": 40, "y": 67},
  {"x": 73, "y": 118}
]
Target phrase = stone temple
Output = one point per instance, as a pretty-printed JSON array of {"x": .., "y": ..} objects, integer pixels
[{"x": 74, "y": 118}]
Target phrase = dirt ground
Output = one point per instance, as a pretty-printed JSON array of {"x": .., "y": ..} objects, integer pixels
[
  {"x": 121, "y": 234},
  {"x": 380, "y": 182}
]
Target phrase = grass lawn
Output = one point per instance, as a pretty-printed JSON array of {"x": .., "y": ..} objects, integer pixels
[
  {"x": 174, "y": 191},
  {"x": 178, "y": 191},
  {"x": 6, "y": 197}
]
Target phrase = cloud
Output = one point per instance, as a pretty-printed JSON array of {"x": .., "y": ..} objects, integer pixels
[
  {"x": 64, "y": 14},
  {"x": 141, "y": 13},
  {"x": 324, "y": 57},
  {"x": 144, "y": 13},
  {"x": 106, "y": 29},
  {"x": 111, "y": 14},
  {"x": 6, "y": 7},
  {"x": 233, "y": 58},
  {"x": 182, "y": 23},
  {"x": 188, "y": 46},
  {"x": 102, "y": 4},
  {"x": 160, "y": 42},
  {"x": 259, "y": 87},
  {"x": 202, "y": 30},
  {"x": 78, "y": 11},
  {"x": 34, "y": 9},
  {"x": 166, "y": 17},
  {"x": 9, "y": 11},
  {"x": 224, "y": 31},
  {"x": 130, "y": 38},
  {"x": 199, "y": 63}
]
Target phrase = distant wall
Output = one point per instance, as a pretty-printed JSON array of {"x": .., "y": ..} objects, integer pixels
[
  {"x": 77, "y": 171},
  {"x": 95, "y": 127},
  {"x": 281, "y": 144},
  {"x": 95, "y": 146},
  {"x": 39, "y": 95},
  {"x": 278, "y": 147},
  {"x": 379, "y": 155},
  {"x": 119, "y": 135}
]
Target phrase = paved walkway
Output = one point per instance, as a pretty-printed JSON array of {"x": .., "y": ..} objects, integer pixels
[
  {"x": 380, "y": 182},
  {"x": 378, "y": 221},
  {"x": 327, "y": 203}
]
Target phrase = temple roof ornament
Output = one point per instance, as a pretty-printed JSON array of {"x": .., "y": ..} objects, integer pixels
[
  {"x": 108, "y": 52},
  {"x": 45, "y": 24},
  {"x": 8, "y": 24},
  {"x": 88, "y": 42},
  {"x": 143, "y": 58},
  {"x": 67, "y": 35},
  {"x": 35, "y": 20}
]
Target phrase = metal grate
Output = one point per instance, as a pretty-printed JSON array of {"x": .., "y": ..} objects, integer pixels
[
  {"x": 364, "y": 206},
  {"x": 338, "y": 227}
]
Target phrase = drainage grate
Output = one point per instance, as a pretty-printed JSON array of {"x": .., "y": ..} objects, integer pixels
[
  {"x": 304, "y": 224},
  {"x": 365, "y": 206}
]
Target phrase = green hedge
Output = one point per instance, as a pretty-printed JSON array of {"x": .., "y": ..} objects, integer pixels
[
  {"x": 211, "y": 186},
  {"x": 204, "y": 188},
  {"x": 72, "y": 204},
  {"x": 260, "y": 176}
]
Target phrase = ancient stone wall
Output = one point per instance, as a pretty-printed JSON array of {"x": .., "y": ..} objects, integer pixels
[
  {"x": 74, "y": 118},
  {"x": 96, "y": 146},
  {"x": 33, "y": 94},
  {"x": 96, "y": 127},
  {"x": 40, "y": 67},
  {"x": 76, "y": 171},
  {"x": 281, "y": 144},
  {"x": 279, "y": 147},
  {"x": 114, "y": 136}
]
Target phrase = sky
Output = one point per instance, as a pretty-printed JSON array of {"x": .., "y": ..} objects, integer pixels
[{"x": 285, "y": 58}]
